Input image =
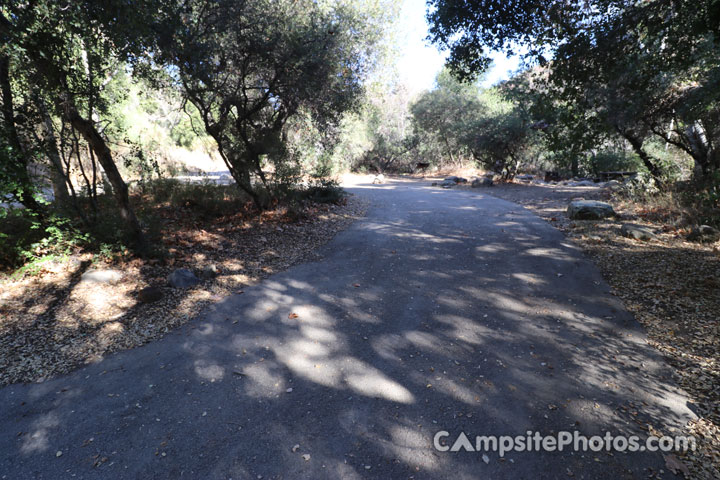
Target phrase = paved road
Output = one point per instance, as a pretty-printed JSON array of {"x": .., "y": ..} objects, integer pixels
[{"x": 441, "y": 311}]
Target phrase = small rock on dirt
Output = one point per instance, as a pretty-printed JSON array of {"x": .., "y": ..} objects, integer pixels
[
  {"x": 638, "y": 232},
  {"x": 182, "y": 278},
  {"x": 101, "y": 276},
  {"x": 150, "y": 294}
]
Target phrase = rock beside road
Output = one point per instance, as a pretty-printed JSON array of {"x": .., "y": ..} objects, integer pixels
[
  {"x": 638, "y": 232},
  {"x": 613, "y": 185},
  {"x": 101, "y": 276},
  {"x": 482, "y": 182},
  {"x": 182, "y": 278},
  {"x": 585, "y": 183},
  {"x": 456, "y": 179},
  {"x": 150, "y": 294},
  {"x": 589, "y": 210}
]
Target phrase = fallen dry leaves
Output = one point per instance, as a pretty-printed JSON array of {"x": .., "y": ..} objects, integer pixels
[
  {"x": 671, "y": 286},
  {"x": 51, "y": 323}
]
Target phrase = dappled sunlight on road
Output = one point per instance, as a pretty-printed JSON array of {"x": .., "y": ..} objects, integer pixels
[{"x": 416, "y": 320}]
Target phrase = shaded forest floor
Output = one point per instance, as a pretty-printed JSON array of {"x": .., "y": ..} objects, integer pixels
[
  {"x": 672, "y": 286},
  {"x": 51, "y": 321}
]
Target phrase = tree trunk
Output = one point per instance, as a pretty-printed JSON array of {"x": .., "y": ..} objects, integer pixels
[
  {"x": 104, "y": 156},
  {"x": 447, "y": 144},
  {"x": 23, "y": 191},
  {"x": 242, "y": 175},
  {"x": 57, "y": 172},
  {"x": 636, "y": 143}
]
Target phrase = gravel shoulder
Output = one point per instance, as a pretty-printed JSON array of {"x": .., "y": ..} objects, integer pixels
[{"x": 672, "y": 286}]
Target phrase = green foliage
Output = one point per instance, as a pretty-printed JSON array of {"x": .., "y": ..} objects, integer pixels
[
  {"x": 638, "y": 71},
  {"x": 457, "y": 121},
  {"x": 271, "y": 60},
  {"x": 443, "y": 117},
  {"x": 183, "y": 133},
  {"x": 325, "y": 190},
  {"x": 703, "y": 200},
  {"x": 24, "y": 241},
  {"x": 612, "y": 161}
]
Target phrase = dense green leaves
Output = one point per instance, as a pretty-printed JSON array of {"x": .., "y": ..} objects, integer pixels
[
  {"x": 249, "y": 67},
  {"x": 250, "y": 74},
  {"x": 637, "y": 71}
]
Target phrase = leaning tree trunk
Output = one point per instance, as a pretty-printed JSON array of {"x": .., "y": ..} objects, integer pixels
[
  {"x": 636, "y": 144},
  {"x": 19, "y": 166},
  {"x": 104, "y": 156}
]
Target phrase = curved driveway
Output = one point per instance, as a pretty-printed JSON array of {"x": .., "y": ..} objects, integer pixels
[{"x": 441, "y": 311}]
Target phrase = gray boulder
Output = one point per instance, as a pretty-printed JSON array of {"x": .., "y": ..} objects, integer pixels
[
  {"x": 482, "y": 182},
  {"x": 101, "y": 276},
  {"x": 589, "y": 210},
  {"x": 638, "y": 232},
  {"x": 150, "y": 294},
  {"x": 182, "y": 278},
  {"x": 448, "y": 183}
]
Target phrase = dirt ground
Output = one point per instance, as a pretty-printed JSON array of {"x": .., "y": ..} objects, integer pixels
[{"x": 51, "y": 321}]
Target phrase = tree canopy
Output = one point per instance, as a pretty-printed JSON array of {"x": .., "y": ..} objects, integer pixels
[{"x": 638, "y": 70}]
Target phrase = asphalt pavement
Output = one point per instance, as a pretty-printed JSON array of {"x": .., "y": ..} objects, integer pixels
[{"x": 441, "y": 311}]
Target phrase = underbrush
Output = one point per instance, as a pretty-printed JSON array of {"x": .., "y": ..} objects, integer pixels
[
  {"x": 682, "y": 205},
  {"x": 26, "y": 243},
  {"x": 204, "y": 198}
]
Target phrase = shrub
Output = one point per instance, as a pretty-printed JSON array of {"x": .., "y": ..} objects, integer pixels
[
  {"x": 205, "y": 198},
  {"x": 23, "y": 240},
  {"x": 614, "y": 161},
  {"x": 325, "y": 191}
]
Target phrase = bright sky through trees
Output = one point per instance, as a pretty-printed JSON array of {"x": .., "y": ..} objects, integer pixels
[{"x": 420, "y": 62}]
